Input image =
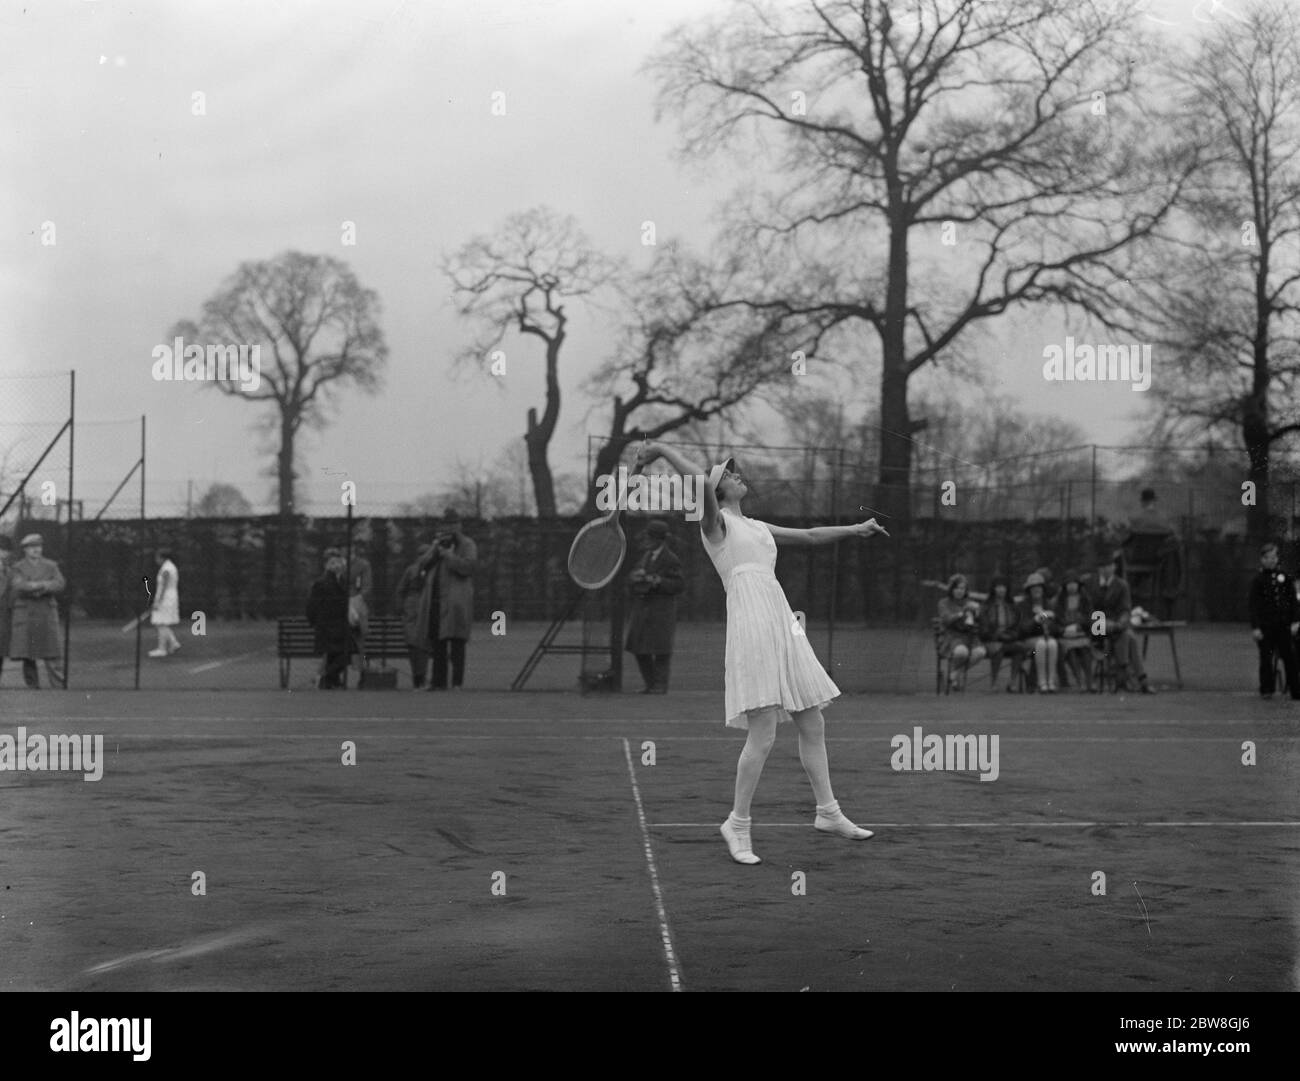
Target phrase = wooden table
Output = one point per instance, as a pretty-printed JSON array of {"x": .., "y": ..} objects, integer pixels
[{"x": 1166, "y": 628}]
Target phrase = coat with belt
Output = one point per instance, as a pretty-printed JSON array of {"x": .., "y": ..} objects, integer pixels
[
  {"x": 327, "y": 612},
  {"x": 654, "y": 607},
  {"x": 451, "y": 572},
  {"x": 34, "y": 630}
]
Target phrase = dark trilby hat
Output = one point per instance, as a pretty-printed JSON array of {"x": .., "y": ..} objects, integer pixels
[{"x": 657, "y": 528}]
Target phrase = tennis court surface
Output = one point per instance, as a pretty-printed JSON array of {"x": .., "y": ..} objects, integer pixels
[{"x": 488, "y": 841}]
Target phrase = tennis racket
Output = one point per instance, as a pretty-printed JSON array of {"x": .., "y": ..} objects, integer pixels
[{"x": 597, "y": 551}]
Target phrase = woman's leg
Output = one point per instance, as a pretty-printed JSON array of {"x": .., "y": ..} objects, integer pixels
[
  {"x": 1040, "y": 662},
  {"x": 812, "y": 753},
  {"x": 762, "y": 734},
  {"x": 960, "y": 655},
  {"x": 1053, "y": 653},
  {"x": 735, "y": 830},
  {"x": 995, "y": 650}
]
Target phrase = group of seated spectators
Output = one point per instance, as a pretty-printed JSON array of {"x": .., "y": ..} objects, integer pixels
[{"x": 1054, "y": 633}]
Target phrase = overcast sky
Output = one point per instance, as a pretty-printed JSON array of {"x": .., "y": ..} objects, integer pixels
[{"x": 318, "y": 113}]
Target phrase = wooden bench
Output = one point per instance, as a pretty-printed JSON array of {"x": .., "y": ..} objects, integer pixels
[{"x": 295, "y": 638}]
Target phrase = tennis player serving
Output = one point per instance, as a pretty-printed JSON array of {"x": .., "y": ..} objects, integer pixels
[{"x": 772, "y": 674}]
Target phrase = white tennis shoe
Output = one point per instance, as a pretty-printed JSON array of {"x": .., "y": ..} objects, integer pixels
[
  {"x": 739, "y": 843},
  {"x": 839, "y": 824}
]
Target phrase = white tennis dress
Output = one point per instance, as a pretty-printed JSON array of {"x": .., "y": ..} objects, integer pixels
[
  {"x": 770, "y": 662},
  {"x": 168, "y": 611}
]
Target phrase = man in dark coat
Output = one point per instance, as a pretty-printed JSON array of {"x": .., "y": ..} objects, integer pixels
[
  {"x": 34, "y": 582},
  {"x": 1113, "y": 599},
  {"x": 447, "y": 603},
  {"x": 409, "y": 591},
  {"x": 1274, "y": 621},
  {"x": 327, "y": 612},
  {"x": 655, "y": 582}
]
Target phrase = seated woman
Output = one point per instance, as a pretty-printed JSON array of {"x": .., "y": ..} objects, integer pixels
[
  {"x": 999, "y": 629},
  {"x": 959, "y": 642},
  {"x": 1038, "y": 630},
  {"x": 1073, "y": 612}
]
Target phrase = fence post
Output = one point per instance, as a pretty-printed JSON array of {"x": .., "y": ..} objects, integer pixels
[{"x": 1092, "y": 524}]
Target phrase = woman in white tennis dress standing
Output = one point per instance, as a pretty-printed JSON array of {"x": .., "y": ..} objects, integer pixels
[
  {"x": 166, "y": 610},
  {"x": 772, "y": 674}
]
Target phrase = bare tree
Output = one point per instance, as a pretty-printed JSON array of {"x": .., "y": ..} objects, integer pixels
[
  {"x": 929, "y": 168},
  {"x": 518, "y": 279},
  {"x": 318, "y": 332},
  {"x": 692, "y": 351},
  {"x": 1222, "y": 299}
]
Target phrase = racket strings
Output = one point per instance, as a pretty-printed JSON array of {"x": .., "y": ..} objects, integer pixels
[{"x": 597, "y": 553}]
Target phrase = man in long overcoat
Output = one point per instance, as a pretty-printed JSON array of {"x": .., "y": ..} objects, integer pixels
[
  {"x": 655, "y": 582},
  {"x": 34, "y": 583},
  {"x": 447, "y": 603},
  {"x": 327, "y": 612}
]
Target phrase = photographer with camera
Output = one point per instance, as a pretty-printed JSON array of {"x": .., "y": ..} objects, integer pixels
[{"x": 447, "y": 603}]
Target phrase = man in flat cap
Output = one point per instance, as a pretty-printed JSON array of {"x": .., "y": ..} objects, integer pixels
[
  {"x": 655, "y": 582},
  {"x": 34, "y": 583}
]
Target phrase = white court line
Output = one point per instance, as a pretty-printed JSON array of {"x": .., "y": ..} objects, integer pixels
[
  {"x": 972, "y": 825},
  {"x": 165, "y": 736},
  {"x": 138, "y": 697},
  {"x": 217, "y": 664},
  {"x": 664, "y": 933}
]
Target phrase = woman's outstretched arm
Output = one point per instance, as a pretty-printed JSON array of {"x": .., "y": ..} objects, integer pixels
[
  {"x": 824, "y": 534},
  {"x": 710, "y": 519}
]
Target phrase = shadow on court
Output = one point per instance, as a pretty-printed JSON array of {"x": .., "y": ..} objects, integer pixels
[{"x": 381, "y": 875}]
